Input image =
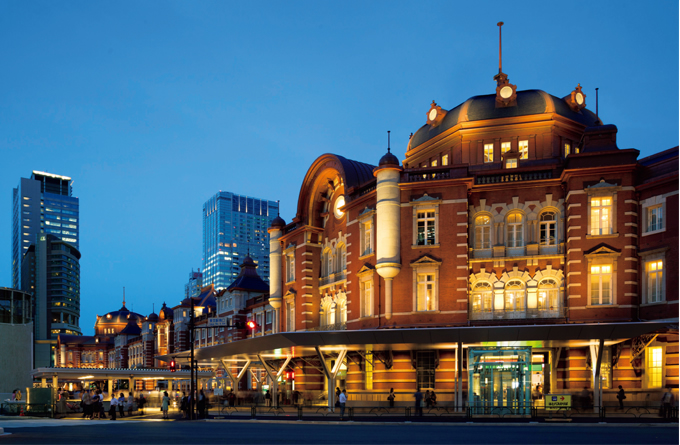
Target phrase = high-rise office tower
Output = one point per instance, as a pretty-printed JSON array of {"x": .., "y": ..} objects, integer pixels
[
  {"x": 194, "y": 285},
  {"x": 235, "y": 226},
  {"x": 45, "y": 256}
]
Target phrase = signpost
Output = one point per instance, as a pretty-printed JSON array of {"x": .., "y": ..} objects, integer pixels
[
  {"x": 555, "y": 402},
  {"x": 217, "y": 322}
]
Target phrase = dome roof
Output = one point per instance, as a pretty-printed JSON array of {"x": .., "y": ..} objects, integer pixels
[
  {"x": 131, "y": 328},
  {"x": 166, "y": 313},
  {"x": 480, "y": 108},
  {"x": 278, "y": 223},
  {"x": 388, "y": 159},
  {"x": 152, "y": 317},
  {"x": 123, "y": 315}
]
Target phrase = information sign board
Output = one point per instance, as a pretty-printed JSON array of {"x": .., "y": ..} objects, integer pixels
[
  {"x": 217, "y": 322},
  {"x": 554, "y": 402}
]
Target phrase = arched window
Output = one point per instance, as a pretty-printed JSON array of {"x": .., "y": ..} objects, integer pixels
[
  {"x": 327, "y": 263},
  {"x": 515, "y": 223},
  {"x": 342, "y": 258},
  {"x": 483, "y": 232},
  {"x": 548, "y": 295},
  {"x": 548, "y": 228},
  {"x": 515, "y": 299},
  {"x": 482, "y": 297}
]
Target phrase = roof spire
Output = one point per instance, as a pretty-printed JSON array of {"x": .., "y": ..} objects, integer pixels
[
  {"x": 388, "y": 141},
  {"x": 500, "y": 52},
  {"x": 123, "y": 296}
]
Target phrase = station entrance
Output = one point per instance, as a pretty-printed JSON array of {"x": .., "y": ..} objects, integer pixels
[{"x": 500, "y": 380}]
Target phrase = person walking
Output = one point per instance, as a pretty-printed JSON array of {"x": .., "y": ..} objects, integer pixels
[
  {"x": 433, "y": 398},
  {"x": 201, "y": 405},
  {"x": 164, "y": 404},
  {"x": 391, "y": 397},
  {"x": 342, "y": 398},
  {"x": 667, "y": 403},
  {"x": 419, "y": 402},
  {"x": 268, "y": 398},
  {"x": 428, "y": 399},
  {"x": 87, "y": 404},
  {"x": 184, "y": 406},
  {"x": 113, "y": 407},
  {"x": 621, "y": 395},
  {"x": 95, "y": 406},
  {"x": 141, "y": 403},
  {"x": 121, "y": 405},
  {"x": 130, "y": 404}
]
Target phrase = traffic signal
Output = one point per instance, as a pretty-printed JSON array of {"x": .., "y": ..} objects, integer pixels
[
  {"x": 290, "y": 375},
  {"x": 173, "y": 366},
  {"x": 238, "y": 325},
  {"x": 251, "y": 325}
]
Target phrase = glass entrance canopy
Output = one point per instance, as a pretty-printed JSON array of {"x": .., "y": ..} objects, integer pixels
[{"x": 500, "y": 380}]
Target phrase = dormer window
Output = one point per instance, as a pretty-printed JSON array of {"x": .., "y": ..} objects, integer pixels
[{"x": 511, "y": 163}]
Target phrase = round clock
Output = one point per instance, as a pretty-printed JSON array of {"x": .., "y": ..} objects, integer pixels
[
  {"x": 579, "y": 98},
  {"x": 433, "y": 114},
  {"x": 506, "y": 92},
  {"x": 336, "y": 208}
]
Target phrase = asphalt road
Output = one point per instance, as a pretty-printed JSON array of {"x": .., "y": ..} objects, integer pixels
[{"x": 254, "y": 432}]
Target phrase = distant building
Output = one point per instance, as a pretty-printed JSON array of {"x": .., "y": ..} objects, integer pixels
[
  {"x": 16, "y": 328},
  {"x": 234, "y": 227},
  {"x": 194, "y": 285}
]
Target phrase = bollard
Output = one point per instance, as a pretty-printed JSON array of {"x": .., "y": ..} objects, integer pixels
[{"x": 253, "y": 412}]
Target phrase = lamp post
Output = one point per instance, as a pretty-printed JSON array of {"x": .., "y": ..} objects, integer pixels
[{"x": 191, "y": 339}]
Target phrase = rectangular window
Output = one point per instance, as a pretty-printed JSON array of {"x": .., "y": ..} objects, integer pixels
[
  {"x": 425, "y": 369},
  {"x": 425, "y": 292},
  {"x": 366, "y": 238},
  {"x": 515, "y": 226},
  {"x": 567, "y": 149},
  {"x": 445, "y": 159},
  {"x": 601, "y": 216},
  {"x": 426, "y": 230},
  {"x": 483, "y": 232},
  {"x": 654, "y": 367},
  {"x": 511, "y": 163},
  {"x": 524, "y": 149},
  {"x": 488, "y": 153},
  {"x": 290, "y": 268},
  {"x": 434, "y": 163},
  {"x": 601, "y": 284},
  {"x": 505, "y": 147},
  {"x": 366, "y": 298},
  {"x": 654, "y": 218},
  {"x": 655, "y": 281},
  {"x": 269, "y": 317}
]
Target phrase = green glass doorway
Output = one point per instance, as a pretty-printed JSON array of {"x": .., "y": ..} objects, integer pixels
[{"x": 500, "y": 380}]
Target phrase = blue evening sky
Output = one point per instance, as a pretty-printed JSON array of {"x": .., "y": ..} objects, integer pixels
[{"x": 154, "y": 106}]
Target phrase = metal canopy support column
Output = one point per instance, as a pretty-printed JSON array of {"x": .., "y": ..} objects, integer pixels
[
  {"x": 110, "y": 386},
  {"x": 459, "y": 377},
  {"x": 554, "y": 362},
  {"x": 596, "y": 351},
  {"x": 235, "y": 380},
  {"x": 331, "y": 374},
  {"x": 274, "y": 377}
]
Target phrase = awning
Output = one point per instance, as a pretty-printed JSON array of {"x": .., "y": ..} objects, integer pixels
[
  {"x": 114, "y": 373},
  {"x": 298, "y": 344}
]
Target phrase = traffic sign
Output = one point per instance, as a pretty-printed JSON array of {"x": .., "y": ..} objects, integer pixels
[
  {"x": 554, "y": 402},
  {"x": 218, "y": 322}
]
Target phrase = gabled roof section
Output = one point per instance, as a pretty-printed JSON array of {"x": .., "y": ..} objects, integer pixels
[{"x": 248, "y": 280}]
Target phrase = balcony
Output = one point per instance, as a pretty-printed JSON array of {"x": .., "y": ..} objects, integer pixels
[
  {"x": 526, "y": 314},
  {"x": 332, "y": 279},
  {"x": 514, "y": 177},
  {"x": 331, "y": 327}
]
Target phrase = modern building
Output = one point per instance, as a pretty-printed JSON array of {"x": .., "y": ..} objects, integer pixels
[
  {"x": 194, "y": 285},
  {"x": 235, "y": 226},
  {"x": 16, "y": 332},
  {"x": 43, "y": 203},
  {"x": 514, "y": 251},
  {"x": 51, "y": 272}
]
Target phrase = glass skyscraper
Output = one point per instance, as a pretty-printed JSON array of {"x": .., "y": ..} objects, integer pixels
[{"x": 233, "y": 227}]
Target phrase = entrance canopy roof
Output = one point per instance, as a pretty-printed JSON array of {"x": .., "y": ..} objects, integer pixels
[
  {"x": 297, "y": 344},
  {"x": 114, "y": 373}
]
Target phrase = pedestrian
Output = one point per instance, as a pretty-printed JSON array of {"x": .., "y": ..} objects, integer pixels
[
  {"x": 428, "y": 399},
  {"x": 342, "y": 398},
  {"x": 141, "y": 403},
  {"x": 268, "y": 398},
  {"x": 391, "y": 397},
  {"x": 113, "y": 407},
  {"x": 86, "y": 402},
  {"x": 585, "y": 398},
  {"x": 201, "y": 405},
  {"x": 433, "y": 398},
  {"x": 621, "y": 395},
  {"x": 296, "y": 397},
  {"x": 14, "y": 395},
  {"x": 667, "y": 403},
  {"x": 419, "y": 402},
  {"x": 164, "y": 404},
  {"x": 121, "y": 405},
  {"x": 130, "y": 404},
  {"x": 95, "y": 406},
  {"x": 337, "y": 397},
  {"x": 231, "y": 398},
  {"x": 184, "y": 406}
]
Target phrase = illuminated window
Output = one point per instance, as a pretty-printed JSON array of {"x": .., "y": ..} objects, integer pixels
[
  {"x": 601, "y": 284},
  {"x": 366, "y": 237},
  {"x": 482, "y": 300},
  {"x": 524, "y": 149},
  {"x": 366, "y": 288},
  {"x": 548, "y": 295},
  {"x": 601, "y": 215},
  {"x": 515, "y": 296},
  {"x": 505, "y": 147},
  {"x": 654, "y": 367},
  {"x": 342, "y": 258},
  {"x": 425, "y": 293},
  {"x": 547, "y": 228},
  {"x": 567, "y": 149},
  {"x": 654, "y": 218},
  {"x": 483, "y": 232},
  {"x": 426, "y": 227},
  {"x": 290, "y": 267},
  {"x": 654, "y": 278},
  {"x": 511, "y": 163},
  {"x": 515, "y": 229},
  {"x": 445, "y": 159},
  {"x": 434, "y": 163},
  {"x": 488, "y": 153}
]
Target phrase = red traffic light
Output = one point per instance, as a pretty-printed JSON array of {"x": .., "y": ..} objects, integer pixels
[
  {"x": 251, "y": 324},
  {"x": 290, "y": 375},
  {"x": 173, "y": 366}
]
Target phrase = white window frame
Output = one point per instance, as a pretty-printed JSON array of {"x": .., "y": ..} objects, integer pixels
[
  {"x": 478, "y": 293},
  {"x": 519, "y": 293},
  {"x": 523, "y": 148},
  {"x": 506, "y": 147},
  {"x": 366, "y": 298},
  {"x": 479, "y": 232},
  {"x": 596, "y": 272},
  {"x": 649, "y": 357},
  {"x": 290, "y": 266},
  {"x": 655, "y": 202},
  {"x": 649, "y": 257},
  {"x": 488, "y": 149},
  {"x": 511, "y": 163},
  {"x": 547, "y": 224},
  {"x": 426, "y": 266},
  {"x": 428, "y": 220},
  {"x": 600, "y": 209},
  {"x": 425, "y": 281},
  {"x": 515, "y": 229}
]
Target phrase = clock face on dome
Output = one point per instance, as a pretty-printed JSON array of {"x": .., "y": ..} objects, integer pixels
[
  {"x": 579, "y": 98},
  {"x": 506, "y": 92},
  {"x": 433, "y": 114},
  {"x": 336, "y": 207}
]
